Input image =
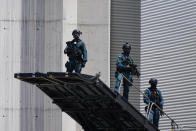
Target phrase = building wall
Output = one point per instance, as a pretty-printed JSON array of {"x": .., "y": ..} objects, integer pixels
[
  {"x": 168, "y": 53},
  {"x": 33, "y": 35},
  {"x": 30, "y": 40}
]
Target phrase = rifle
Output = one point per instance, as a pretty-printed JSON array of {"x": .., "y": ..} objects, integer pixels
[
  {"x": 70, "y": 46},
  {"x": 73, "y": 52},
  {"x": 132, "y": 67}
]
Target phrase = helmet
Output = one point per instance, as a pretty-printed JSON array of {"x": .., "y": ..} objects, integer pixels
[
  {"x": 126, "y": 46},
  {"x": 76, "y": 31},
  {"x": 126, "y": 49},
  {"x": 153, "y": 81}
]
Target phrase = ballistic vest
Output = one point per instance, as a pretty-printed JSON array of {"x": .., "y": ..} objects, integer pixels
[
  {"x": 73, "y": 51},
  {"x": 155, "y": 96}
]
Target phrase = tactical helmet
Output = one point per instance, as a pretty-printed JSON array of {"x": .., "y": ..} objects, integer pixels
[
  {"x": 126, "y": 49},
  {"x": 76, "y": 31},
  {"x": 126, "y": 46},
  {"x": 153, "y": 81}
]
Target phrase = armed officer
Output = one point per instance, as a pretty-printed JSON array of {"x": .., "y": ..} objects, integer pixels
[
  {"x": 154, "y": 96},
  {"x": 77, "y": 53},
  {"x": 125, "y": 67}
]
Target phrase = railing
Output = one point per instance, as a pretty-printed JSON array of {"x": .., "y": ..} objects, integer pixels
[{"x": 174, "y": 125}]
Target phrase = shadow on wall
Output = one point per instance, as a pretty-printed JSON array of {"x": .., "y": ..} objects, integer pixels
[{"x": 37, "y": 54}]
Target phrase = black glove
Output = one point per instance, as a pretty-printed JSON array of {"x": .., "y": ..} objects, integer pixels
[
  {"x": 116, "y": 74},
  {"x": 146, "y": 108},
  {"x": 162, "y": 113},
  {"x": 83, "y": 64},
  {"x": 65, "y": 51},
  {"x": 137, "y": 73}
]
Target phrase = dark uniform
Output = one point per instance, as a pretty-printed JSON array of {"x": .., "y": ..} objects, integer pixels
[
  {"x": 125, "y": 66},
  {"x": 155, "y": 96},
  {"x": 77, "y": 53}
]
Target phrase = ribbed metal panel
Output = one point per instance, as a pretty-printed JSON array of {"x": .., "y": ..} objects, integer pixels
[
  {"x": 30, "y": 40},
  {"x": 168, "y": 52},
  {"x": 125, "y": 27}
]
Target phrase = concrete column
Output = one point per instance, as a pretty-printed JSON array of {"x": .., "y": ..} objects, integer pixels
[
  {"x": 10, "y": 34},
  {"x": 69, "y": 23},
  {"x": 30, "y": 40},
  {"x": 92, "y": 18}
]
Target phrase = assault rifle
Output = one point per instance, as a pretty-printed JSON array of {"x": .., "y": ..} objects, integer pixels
[{"x": 132, "y": 68}]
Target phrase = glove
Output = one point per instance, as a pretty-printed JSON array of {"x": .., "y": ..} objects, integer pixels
[
  {"x": 116, "y": 74},
  {"x": 162, "y": 113},
  {"x": 83, "y": 64},
  {"x": 65, "y": 51},
  {"x": 137, "y": 73},
  {"x": 146, "y": 108}
]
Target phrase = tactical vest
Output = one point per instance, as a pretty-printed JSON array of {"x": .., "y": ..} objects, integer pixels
[
  {"x": 125, "y": 61},
  {"x": 74, "y": 52},
  {"x": 155, "y": 96}
]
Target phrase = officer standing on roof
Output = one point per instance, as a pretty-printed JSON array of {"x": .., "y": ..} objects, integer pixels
[
  {"x": 77, "y": 53},
  {"x": 125, "y": 67},
  {"x": 156, "y": 97}
]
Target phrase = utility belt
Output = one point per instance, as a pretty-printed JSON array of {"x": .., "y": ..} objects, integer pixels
[
  {"x": 75, "y": 56},
  {"x": 76, "y": 60},
  {"x": 126, "y": 70},
  {"x": 122, "y": 70},
  {"x": 117, "y": 72}
]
